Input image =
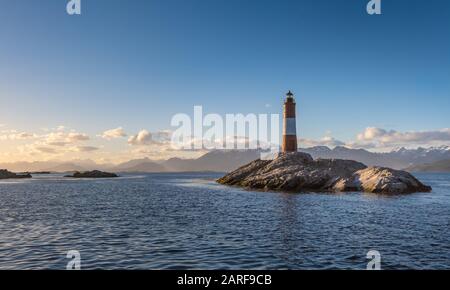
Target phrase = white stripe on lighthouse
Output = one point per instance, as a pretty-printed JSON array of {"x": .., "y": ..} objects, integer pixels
[{"x": 289, "y": 127}]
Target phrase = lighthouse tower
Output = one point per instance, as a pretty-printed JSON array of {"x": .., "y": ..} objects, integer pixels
[{"x": 289, "y": 126}]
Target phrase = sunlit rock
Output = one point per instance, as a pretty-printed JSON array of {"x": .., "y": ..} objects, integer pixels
[{"x": 298, "y": 172}]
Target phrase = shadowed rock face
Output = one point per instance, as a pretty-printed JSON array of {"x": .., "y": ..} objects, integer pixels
[
  {"x": 92, "y": 174},
  {"x": 5, "y": 174},
  {"x": 298, "y": 172}
]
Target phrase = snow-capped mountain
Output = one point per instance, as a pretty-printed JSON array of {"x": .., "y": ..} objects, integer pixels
[{"x": 399, "y": 158}]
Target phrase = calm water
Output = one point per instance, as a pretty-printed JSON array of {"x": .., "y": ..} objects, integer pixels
[{"x": 185, "y": 221}]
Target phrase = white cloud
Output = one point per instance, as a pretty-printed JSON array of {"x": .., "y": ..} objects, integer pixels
[
  {"x": 383, "y": 138},
  {"x": 75, "y": 137},
  {"x": 144, "y": 137},
  {"x": 370, "y": 134},
  {"x": 56, "y": 142},
  {"x": 114, "y": 133},
  {"x": 61, "y": 142},
  {"x": 325, "y": 141},
  {"x": 60, "y": 138},
  {"x": 362, "y": 145}
]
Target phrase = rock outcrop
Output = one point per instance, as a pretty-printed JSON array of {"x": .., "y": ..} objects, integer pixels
[
  {"x": 299, "y": 172},
  {"x": 382, "y": 180},
  {"x": 93, "y": 174},
  {"x": 5, "y": 174}
]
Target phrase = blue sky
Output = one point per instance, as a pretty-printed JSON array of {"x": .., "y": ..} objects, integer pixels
[{"x": 136, "y": 63}]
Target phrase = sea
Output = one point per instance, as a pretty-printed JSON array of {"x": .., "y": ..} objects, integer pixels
[{"x": 188, "y": 221}]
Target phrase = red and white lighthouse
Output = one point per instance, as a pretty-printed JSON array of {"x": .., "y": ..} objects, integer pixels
[{"x": 289, "y": 125}]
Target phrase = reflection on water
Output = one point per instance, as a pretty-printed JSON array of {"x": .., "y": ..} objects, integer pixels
[{"x": 186, "y": 221}]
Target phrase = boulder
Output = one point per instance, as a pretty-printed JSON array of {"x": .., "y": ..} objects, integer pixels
[
  {"x": 5, "y": 174},
  {"x": 92, "y": 174},
  {"x": 299, "y": 172},
  {"x": 382, "y": 180}
]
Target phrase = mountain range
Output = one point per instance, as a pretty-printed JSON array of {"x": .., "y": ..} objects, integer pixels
[
  {"x": 438, "y": 166},
  {"x": 398, "y": 159},
  {"x": 228, "y": 160}
]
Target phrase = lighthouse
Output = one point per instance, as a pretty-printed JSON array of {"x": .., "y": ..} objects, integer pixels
[{"x": 289, "y": 125}]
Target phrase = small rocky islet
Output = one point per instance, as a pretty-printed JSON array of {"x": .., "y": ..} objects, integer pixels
[
  {"x": 92, "y": 174},
  {"x": 5, "y": 174},
  {"x": 299, "y": 172}
]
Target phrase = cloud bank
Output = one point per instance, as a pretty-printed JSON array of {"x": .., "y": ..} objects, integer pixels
[
  {"x": 65, "y": 143},
  {"x": 378, "y": 138}
]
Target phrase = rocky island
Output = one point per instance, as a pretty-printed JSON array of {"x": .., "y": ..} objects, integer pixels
[
  {"x": 5, "y": 174},
  {"x": 92, "y": 174},
  {"x": 299, "y": 172}
]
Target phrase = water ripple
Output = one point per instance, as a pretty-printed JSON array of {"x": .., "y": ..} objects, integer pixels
[{"x": 186, "y": 221}]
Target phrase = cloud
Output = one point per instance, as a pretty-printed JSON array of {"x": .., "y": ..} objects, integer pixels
[
  {"x": 14, "y": 135},
  {"x": 21, "y": 136},
  {"x": 51, "y": 143},
  {"x": 385, "y": 140},
  {"x": 161, "y": 152},
  {"x": 371, "y": 133},
  {"x": 325, "y": 141},
  {"x": 60, "y": 138},
  {"x": 381, "y": 137},
  {"x": 85, "y": 148},
  {"x": 55, "y": 142},
  {"x": 144, "y": 137},
  {"x": 75, "y": 137},
  {"x": 362, "y": 145},
  {"x": 58, "y": 143},
  {"x": 162, "y": 136},
  {"x": 114, "y": 133},
  {"x": 44, "y": 149}
]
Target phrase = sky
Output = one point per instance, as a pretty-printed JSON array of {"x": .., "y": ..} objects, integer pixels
[{"x": 105, "y": 84}]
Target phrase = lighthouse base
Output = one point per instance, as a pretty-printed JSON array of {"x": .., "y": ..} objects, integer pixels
[{"x": 289, "y": 144}]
